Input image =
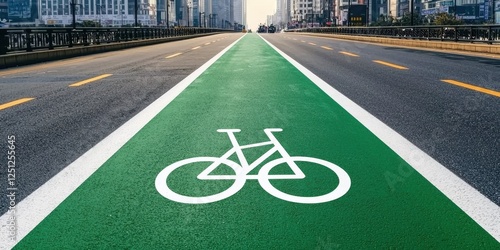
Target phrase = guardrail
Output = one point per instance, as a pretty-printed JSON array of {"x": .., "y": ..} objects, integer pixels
[
  {"x": 31, "y": 39},
  {"x": 457, "y": 33}
]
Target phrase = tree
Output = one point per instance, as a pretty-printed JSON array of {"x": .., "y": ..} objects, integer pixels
[
  {"x": 406, "y": 19},
  {"x": 383, "y": 20},
  {"x": 447, "y": 19}
]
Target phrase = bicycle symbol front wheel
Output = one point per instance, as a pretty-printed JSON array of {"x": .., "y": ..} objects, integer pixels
[
  {"x": 341, "y": 189},
  {"x": 161, "y": 182}
]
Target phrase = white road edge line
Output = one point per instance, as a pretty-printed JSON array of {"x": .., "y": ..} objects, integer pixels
[
  {"x": 39, "y": 204},
  {"x": 472, "y": 202}
]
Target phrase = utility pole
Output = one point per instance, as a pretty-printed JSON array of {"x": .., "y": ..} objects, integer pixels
[
  {"x": 73, "y": 7},
  {"x": 166, "y": 13},
  {"x": 349, "y": 13},
  {"x": 136, "y": 6},
  {"x": 411, "y": 12}
]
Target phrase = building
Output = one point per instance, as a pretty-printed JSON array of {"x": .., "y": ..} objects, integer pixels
[
  {"x": 105, "y": 12},
  {"x": 22, "y": 11},
  {"x": 4, "y": 11},
  {"x": 162, "y": 6},
  {"x": 240, "y": 12},
  {"x": 471, "y": 11}
]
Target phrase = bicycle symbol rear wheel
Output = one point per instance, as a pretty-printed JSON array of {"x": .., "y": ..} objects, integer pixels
[
  {"x": 162, "y": 187},
  {"x": 341, "y": 189}
]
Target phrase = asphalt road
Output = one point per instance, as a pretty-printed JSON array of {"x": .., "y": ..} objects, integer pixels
[
  {"x": 458, "y": 127},
  {"x": 63, "y": 122}
]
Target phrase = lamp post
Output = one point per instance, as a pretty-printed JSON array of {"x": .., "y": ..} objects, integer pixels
[
  {"x": 200, "y": 23},
  {"x": 73, "y": 5},
  {"x": 188, "y": 10},
  {"x": 167, "y": 12},
  {"x": 136, "y": 8}
]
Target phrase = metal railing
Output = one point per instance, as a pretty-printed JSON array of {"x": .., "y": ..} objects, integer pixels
[
  {"x": 457, "y": 33},
  {"x": 31, "y": 39}
]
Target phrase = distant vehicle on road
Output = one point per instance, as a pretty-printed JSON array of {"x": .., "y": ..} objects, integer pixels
[
  {"x": 262, "y": 29},
  {"x": 271, "y": 29}
]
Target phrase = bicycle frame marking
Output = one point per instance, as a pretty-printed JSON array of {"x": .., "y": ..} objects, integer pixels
[
  {"x": 241, "y": 173},
  {"x": 245, "y": 167}
]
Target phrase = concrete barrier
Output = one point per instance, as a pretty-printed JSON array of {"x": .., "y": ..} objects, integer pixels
[
  {"x": 25, "y": 58},
  {"x": 456, "y": 46}
]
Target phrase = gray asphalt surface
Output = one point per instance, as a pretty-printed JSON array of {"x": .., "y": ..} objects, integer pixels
[
  {"x": 458, "y": 127},
  {"x": 64, "y": 122}
]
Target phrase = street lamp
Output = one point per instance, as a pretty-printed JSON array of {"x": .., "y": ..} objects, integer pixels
[
  {"x": 188, "y": 10},
  {"x": 200, "y": 23},
  {"x": 166, "y": 5},
  {"x": 99, "y": 11},
  {"x": 73, "y": 5}
]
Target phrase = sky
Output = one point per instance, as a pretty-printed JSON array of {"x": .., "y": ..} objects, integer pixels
[{"x": 257, "y": 12}]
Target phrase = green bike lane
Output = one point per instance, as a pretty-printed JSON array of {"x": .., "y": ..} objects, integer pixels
[{"x": 252, "y": 87}]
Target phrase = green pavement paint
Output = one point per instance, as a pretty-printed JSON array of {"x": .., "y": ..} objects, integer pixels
[{"x": 252, "y": 88}]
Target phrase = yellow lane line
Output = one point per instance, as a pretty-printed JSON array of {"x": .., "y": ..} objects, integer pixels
[
  {"x": 473, "y": 87},
  {"x": 77, "y": 84},
  {"x": 327, "y": 48},
  {"x": 195, "y": 48},
  {"x": 348, "y": 54},
  {"x": 312, "y": 43},
  {"x": 14, "y": 103},
  {"x": 174, "y": 55},
  {"x": 390, "y": 64}
]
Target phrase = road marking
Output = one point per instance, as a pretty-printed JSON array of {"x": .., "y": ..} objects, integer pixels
[
  {"x": 77, "y": 84},
  {"x": 295, "y": 39},
  {"x": 82, "y": 168},
  {"x": 473, "y": 87},
  {"x": 208, "y": 43},
  {"x": 195, "y": 48},
  {"x": 482, "y": 210},
  {"x": 348, "y": 54},
  {"x": 390, "y": 64},
  {"x": 312, "y": 43},
  {"x": 303, "y": 41},
  {"x": 327, "y": 48},
  {"x": 14, "y": 103},
  {"x": 174, "y": 55}
]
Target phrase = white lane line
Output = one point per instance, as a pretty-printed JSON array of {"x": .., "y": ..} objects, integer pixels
[
  {"x": 34, "y": 208},
  {"x": 472, "y": 202}
]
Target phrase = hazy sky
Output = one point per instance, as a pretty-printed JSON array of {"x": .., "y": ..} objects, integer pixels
[{"x": 258, "y": 10}]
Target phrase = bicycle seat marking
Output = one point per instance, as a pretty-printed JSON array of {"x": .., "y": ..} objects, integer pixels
[{"x": 243, "y": 169}]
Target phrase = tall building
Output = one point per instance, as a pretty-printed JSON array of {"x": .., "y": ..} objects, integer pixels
[
  {"x": 240, "y": 12},
  {"x": 309, "y": 12},
  {"x": 22, "y": 11},
  {"x": 471, "y": 11},
  {"x": 106, "y": 12},
  {"x": 282, "y": 16},
  {"x": 161, "y": 12},
  {"x": 4, "y": 11}
]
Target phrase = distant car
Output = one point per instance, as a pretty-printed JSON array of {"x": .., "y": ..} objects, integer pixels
[
  {"x": 271, "y": 29},
  {"x": 262, "y": 29}
]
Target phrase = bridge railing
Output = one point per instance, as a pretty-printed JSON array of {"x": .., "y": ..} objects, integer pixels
[
  {"x": 31, "y": 39},
  {"x": 457, "y": 33}
]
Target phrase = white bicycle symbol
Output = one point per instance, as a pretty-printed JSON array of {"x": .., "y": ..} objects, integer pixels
[{"x": 243, "y": 169}]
